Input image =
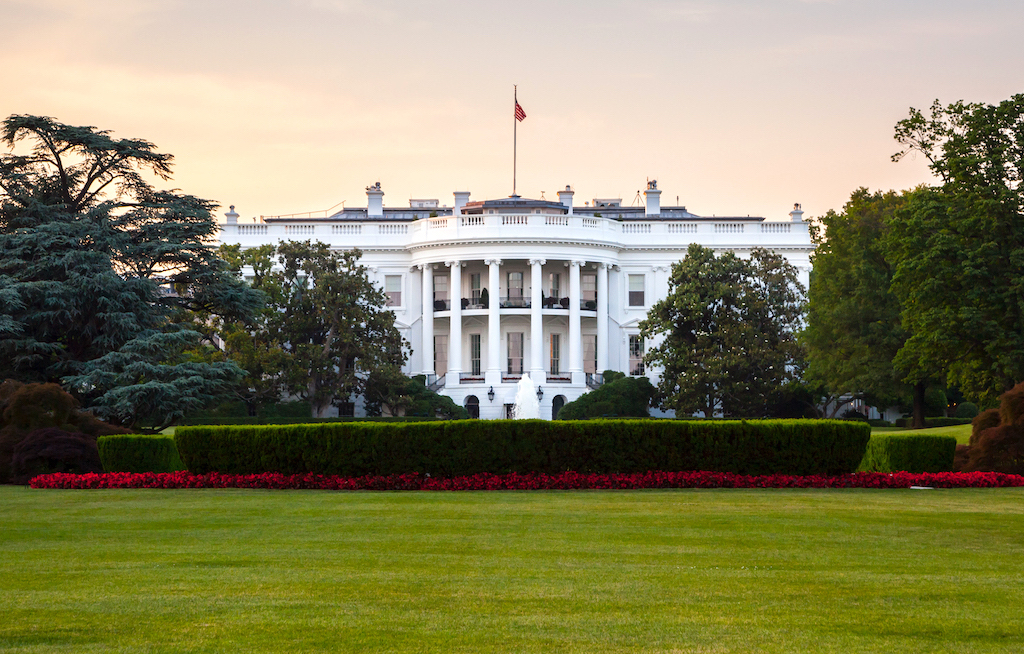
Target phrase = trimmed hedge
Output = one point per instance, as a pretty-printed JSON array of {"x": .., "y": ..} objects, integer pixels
[
  {"x": 139, "y": 453},
  {"x": 933, "y": 422},
  {"x": 467, "y": 447},
  {"x": 271, "y": 420},
  {"x": 909, "y": 452}
]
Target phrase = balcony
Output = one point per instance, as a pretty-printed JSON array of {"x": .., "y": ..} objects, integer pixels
[
  {"x": 515, "y": 302},
  {"x": 442, "y": 305}
]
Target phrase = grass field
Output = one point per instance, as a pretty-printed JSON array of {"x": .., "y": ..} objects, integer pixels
[
  {"x": 961, "y": 432},
  {"x": 647, "y": 571}
]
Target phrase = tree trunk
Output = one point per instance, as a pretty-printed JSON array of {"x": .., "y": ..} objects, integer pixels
[{"x": 919, "y": 389}]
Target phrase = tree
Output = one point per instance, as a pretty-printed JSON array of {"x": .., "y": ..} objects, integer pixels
[
  {"x": 854, "y": 330},
  {"x": 729, "y": 332},
  {"x": 620, "y": 396},
  {"x": 325, "y": 334},
  {"x": 958, "y": 248},
  {"x": 102, "y": 276}
]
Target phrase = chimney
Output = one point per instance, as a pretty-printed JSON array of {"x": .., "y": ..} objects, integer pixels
[
  {"x": 374, "y": 201},
  {"x": 565, "y": 197},
  {"x": 231, "y": 215},
  {"x": 797, "y": 214},
  {"x": 653, "y": 196},
  {"x": 461, "y": 198}
]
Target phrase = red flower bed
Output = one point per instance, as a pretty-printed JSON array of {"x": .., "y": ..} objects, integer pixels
[{"x": 531, "y": 481}]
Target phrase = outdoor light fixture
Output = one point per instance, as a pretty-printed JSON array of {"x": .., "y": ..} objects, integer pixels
[
  {"x": 540, "y": 393},
  {"x": 490, "y": 394}
]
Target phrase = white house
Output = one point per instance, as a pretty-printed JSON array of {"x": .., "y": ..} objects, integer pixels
[{"x": 489, "y": 291}]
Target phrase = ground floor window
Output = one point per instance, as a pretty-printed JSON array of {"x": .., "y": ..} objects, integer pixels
[
  {"x": 473, "y": 406},
  {"x": 440, "y": 354},
  {"x": 590, "y": 353},
  {"x": 474, "y": 354},
  {"x": 556, "y": 406},
  {"x": 556, "y": 353},
  {"x": 636, "y": 355}
]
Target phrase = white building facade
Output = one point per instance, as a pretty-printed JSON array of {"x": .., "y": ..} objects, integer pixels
[{"x": 486, "y": 292}]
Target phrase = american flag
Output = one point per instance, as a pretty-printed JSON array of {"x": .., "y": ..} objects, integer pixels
[{"x": 520, "y": 114}]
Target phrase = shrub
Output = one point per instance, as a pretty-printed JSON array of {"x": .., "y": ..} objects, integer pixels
[
  {"x": 878, "y": 422},
  {"x": 623, "y": 397},
  {"x": 853, "y": 414},
  {"x": 467, "y": 447},
  {"x": 997, "y": 436},
  {"x": 909, "y": 452},
  {"x": 26, "y": 408},
  {"x": 49, "y": 450},
  {"x": 139, "y": 453},
  {"x": 966, "y": 410}
]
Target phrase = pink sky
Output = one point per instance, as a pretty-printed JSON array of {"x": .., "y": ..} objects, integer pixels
[{"x": 736, "y": 107}]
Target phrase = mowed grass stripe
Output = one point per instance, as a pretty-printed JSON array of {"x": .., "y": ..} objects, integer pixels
[{"x": 643, "y": 571}]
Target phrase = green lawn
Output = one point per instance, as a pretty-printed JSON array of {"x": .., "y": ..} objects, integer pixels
[
  {"x": 961, "y": 432},
  {"x": 643, "y": 571}
]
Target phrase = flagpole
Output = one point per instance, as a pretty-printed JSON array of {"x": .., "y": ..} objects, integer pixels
[{"x": 515, "y": 127}]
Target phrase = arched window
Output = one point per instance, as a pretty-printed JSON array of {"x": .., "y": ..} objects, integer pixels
[
  {"x": 473, "y": 406},
  {"x": 556, "y": 406}
]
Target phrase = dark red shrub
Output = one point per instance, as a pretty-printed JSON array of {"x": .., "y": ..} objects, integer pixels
[
  {"x": 998, "y": 449},
  {"x": 982, "y": 421},
  {"x": 960, "y": 457},
  {"x": 51, "y": 450},
  {"x": 1011, "y": 405}
]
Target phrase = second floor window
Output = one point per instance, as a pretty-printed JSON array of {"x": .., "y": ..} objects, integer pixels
[
  {"x": 474, "y": 288},
  {"x": 588, "y": 285},
  {"x": 440, "y": 288},
  {"x": 636, "y": 290},
  {"x": 515, "y": 284},
  {"x": 555, "y": 285},
  {"x": 393, "y": 288}
]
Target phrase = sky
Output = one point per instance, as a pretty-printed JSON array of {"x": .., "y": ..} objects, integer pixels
[{"x": 736, "y": 108}]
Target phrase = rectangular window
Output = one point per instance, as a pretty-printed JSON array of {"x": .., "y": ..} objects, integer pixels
[
  {"x": 554, "y": 285},
  {"x": 515, "y": 352},
  {"x": 636, "y": 290},
  {"x": 474, "y": 287},
  {"x": 474, "y": 353},
  {"x": 588, "y": 284},
  {"x": 636, "y": 355},
  {"x": 590, "y": 353},
  {"x": 440, "y": 288},
  {"x": 440, "y": 354},
  {"x": 515, "y": 284},
  {"x": 393, "y": 288},
  {"x": 556, "y": 353}
]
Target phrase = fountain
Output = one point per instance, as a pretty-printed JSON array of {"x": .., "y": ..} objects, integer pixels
[{"x": 527, "y": 405}]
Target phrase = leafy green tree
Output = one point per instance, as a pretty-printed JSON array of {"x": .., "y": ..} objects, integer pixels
[
  {"x": 620, "y": 396},
  {"x": 854, "y": 330},
  {"x": 728, "y": 332},
  {"x": 958, "y": 248},
  {"x": 102, "y": 276},
  {"x": 325, "y": 335}
]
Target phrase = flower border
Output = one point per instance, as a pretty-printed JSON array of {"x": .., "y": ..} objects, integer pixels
[{"x": 525, "y": 481}]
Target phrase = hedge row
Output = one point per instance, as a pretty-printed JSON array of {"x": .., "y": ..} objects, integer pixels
[
  {"x": 467, "y": 447},
  {"x": 278, "y": 420},
  {"x": 909, "y": 452},
  {"x": 933, "y": 422},
  {"x": 139, "y": 453}
]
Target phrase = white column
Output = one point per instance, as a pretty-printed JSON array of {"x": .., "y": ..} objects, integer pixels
[
  {"x": 493, "y": 322},
  {"x": 428, "y": 319},
  {"x": 602, "y": 317},
  {"x": 455, "y": 326},
  {"x": 575, "y": 333},
  {"x": 536, "y": 322}
]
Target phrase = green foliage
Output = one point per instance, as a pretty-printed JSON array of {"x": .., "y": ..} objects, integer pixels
[
  {"x": 966, "y": 410},
  {"x": 727, "y": 332},
  {"x": 853, "y": 327},
  {"x": 958, "y": 248},
  {"x": 104, "y": 279},
  {"x": 933, "y": 422},
  {"x": 37, "y": 408},
  {"x": 620, "y": 398},
  {"x": 467, "y": 447},
  {"x": 325, "y": 334},
  {"x": 139, "y": 453},
  {"x": 909, "y": 452},
  {"x": 425, "y": 403}
]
